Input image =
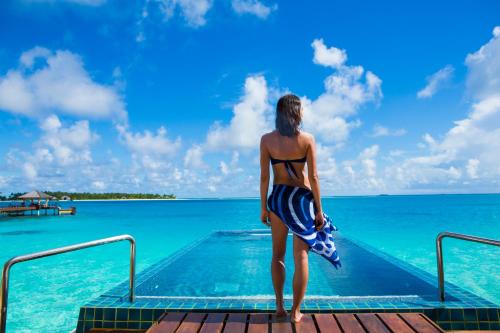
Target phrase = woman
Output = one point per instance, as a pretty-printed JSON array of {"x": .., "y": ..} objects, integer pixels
[{"x": 294, "y": 203}]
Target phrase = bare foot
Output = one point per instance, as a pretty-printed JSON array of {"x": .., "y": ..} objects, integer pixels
[
  {"x": 281, "y": 312},
  {"x": 296, "y": 316}
]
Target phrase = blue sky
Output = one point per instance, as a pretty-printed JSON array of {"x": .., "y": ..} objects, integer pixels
[{"x": 171, "y": 96}]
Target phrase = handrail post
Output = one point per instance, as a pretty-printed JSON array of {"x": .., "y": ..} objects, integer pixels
[
  {"x": 439, "y": 253},
  {"x": 37, "y": 255},
  {"x": 131, "y": 292},
  {"x": 4, "y": 296},
  {"x": 440, "y": 269}
]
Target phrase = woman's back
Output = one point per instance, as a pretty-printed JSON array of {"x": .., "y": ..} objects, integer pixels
[
  {"x": 288, "y": 156},
  {"x": 295, "y": 201}
]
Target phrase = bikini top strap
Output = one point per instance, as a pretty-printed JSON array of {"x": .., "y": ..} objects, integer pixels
[
  {"x": 298, "y": 160},
  {"x": 289, "y": 166}
]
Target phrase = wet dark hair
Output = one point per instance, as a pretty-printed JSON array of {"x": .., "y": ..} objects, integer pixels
[{"x": 288, "y": 117}]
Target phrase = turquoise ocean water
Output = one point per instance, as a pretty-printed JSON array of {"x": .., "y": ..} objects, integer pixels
[{"x": 45, "y": 295}]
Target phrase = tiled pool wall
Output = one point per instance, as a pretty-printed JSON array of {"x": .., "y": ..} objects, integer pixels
[
  {"x": 137, "y": 318},
  {"x": 112, "y": 310}
]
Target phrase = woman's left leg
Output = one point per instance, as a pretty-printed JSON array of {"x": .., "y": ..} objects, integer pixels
[
  {"x": 279, "y": 235},
  {"x": 300, "y": 275}
]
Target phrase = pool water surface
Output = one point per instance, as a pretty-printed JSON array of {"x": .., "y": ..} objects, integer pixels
[{"x": 236, "y": 264}]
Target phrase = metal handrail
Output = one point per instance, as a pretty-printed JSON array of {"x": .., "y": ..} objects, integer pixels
[
  {"x": 37, "y": 255},
  {"x": 439, "y": 252}
]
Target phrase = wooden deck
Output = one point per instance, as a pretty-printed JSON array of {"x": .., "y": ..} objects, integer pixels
[
  {"x": 15, "y": 209},
  {"x": 35, "y": 210},
  {"x": 192, "y": 322}
]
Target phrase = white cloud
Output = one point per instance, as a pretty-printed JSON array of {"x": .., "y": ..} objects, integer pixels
[
  {"x": 193, "y": 11},
  {"x": 473, "y": 141},
  {"x": 484, "y": 68},
  {"x": 379, "y": 130},
  {"x": 369, "y": 152},
  {"x": 396, "y": 153},
  {"x": 370, "y": 167},
  {"x": 326, "y": 164},
  {"x": 232, "y": 167},
  {"x": 436, "y": 81},
  {"x": 478, "y": 135},
  {"x": 148, "y": 143},
  {"x": 48, "y": 84},
  {"x": 367, "y": 158},
  {"x": 346, "y": 90},
  {"x": 251, "y": 119},
  {"x": 224, "y": 168},
  {"x": 371, "y": 180},
  {"x": 194, "y": 157},
  {"x": 61, "y": 84},
  {"x": 348, "y": 168},
  {"x": 454, "y": 173},
  {"x": 99, "y": 185},
  {"x": 359, "y": 175},
  {"x": 60, "y": 149},
  {"x": 472, "y": 166},
  {"x": 28, "y": 58},
  {"x": 253, "y": 7},
  {"x": 66, "y": 146},
  {"x": 328, "y": 56},
  {"x": 3, "y": 182},
  {"x": 50, "y": 124},
  {"x": 29, "y": 170},
  {"x": 153, "y": 162},
  {"x": 465, "y": 155}
]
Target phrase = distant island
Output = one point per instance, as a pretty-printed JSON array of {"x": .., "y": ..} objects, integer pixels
[{"x": 95, "y": 196}]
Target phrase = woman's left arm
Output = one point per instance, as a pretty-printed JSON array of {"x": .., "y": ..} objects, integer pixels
[{"x": 264, "y": 182}]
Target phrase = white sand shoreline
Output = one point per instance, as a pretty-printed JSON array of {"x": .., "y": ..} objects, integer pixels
[
  {"x": 176, "y": 199},
  {"x": 119, "y": 200}
]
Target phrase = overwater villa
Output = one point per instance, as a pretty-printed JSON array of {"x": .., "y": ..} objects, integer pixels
[{"x": 36, "y": 203}]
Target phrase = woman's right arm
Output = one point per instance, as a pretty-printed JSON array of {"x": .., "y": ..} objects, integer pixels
[
  {"x": 314, "y": 181},
  {"x": 264, "y": 181}
]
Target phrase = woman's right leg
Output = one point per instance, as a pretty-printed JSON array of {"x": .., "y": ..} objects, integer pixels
[
  {"x": 279, "y": 234},
  {"x": 300, "y": 276}
]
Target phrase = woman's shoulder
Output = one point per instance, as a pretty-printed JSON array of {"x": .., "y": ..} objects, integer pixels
[
  {"x": 267, "y": 136},
  {"x": 306, "y": 136}
]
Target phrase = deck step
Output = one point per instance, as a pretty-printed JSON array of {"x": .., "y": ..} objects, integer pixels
[{"x": 241, "y": 322}]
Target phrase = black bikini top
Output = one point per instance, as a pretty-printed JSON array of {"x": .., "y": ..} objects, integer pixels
[{"x": 288, "y": 165}]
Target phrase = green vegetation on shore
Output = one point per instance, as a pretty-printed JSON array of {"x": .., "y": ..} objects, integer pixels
[{"x": 96, "y": 196}]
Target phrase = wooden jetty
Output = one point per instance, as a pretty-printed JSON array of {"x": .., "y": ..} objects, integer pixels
[
  {"x": 247, "y": 322},
  {"x": 35, "y": 203},
  {"x": 30, "y": 210}
]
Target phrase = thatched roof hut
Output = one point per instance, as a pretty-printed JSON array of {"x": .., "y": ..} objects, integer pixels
[{"x": 35, "y": 195}]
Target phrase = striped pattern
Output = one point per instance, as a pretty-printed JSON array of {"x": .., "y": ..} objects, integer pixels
[
  {"x": 311, "y": 323},
  {"x": 296, "y": 208}
]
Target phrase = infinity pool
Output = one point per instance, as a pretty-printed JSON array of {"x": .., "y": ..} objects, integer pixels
[
  {"x": 236, "y": 264},
  {"x": 229, "y": 270}
]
